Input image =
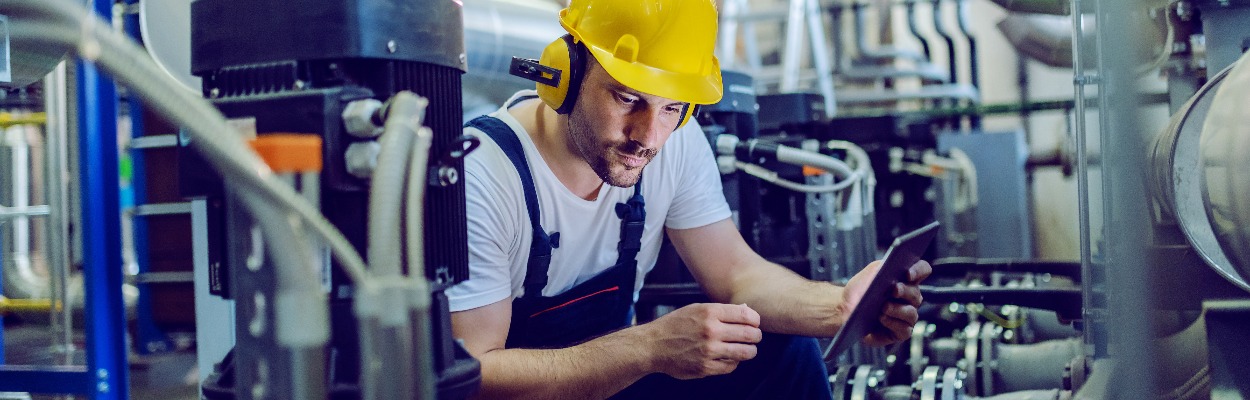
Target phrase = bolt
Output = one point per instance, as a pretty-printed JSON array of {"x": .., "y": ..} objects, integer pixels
[
  {"x": 448, "y": 176},
  {"x": 464, "y": 58},
  {"x": 362, "y": 158},
  {"x": 1184, "y": 11},
  {"x": 300, "y": 85},
  {"x": 214, "y": 93},
  {"x": 391, "y": 46},
  {"x": 102, "y": 387},
  {"x": 102, "y": 373},
  {"x": 257, "y": 326}
]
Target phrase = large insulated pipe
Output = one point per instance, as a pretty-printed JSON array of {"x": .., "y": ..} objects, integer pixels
[
  {"x": 21, "y": 281},
  {"x": 1045, "y": 38},
  {"x": 1223, "y": 147},
  {"x": 1034, "y": 366},
  {"x": 1052, "y": 7},
  {"x": 494, "y": 32},
  {"x": 1177, "y": 165}
]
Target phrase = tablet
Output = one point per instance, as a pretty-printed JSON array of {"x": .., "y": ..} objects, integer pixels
[{"x": 905, "y": 251}]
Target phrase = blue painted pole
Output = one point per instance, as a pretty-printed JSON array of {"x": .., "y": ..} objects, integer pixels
[{"x": 101, "y": 228}]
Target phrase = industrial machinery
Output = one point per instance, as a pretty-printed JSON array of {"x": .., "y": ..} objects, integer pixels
[
  {"x": 339, "y": 135},
  {"x": 345, "y": 89}
]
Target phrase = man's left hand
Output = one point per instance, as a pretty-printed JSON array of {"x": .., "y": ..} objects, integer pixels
[{"x": 900, "y": 314}]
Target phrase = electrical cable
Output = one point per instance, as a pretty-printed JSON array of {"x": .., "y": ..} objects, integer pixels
[
  {"x": 403, "y": 112},
  {"x": 773, "y": 177}
]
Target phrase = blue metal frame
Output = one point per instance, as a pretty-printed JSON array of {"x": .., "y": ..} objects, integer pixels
[
  {"x": 105, "y": 375},
  {"x": 149, "y": 338},
  {"x": 101, "y": 229}
]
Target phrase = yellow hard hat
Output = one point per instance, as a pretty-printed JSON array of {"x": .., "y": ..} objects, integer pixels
[{"x": 658, "y": 47}]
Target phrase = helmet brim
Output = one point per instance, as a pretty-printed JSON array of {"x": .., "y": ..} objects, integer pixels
[{"x": 689, "y": 88}]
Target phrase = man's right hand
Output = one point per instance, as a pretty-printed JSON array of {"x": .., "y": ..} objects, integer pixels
[{"x": 700, "y": 340}]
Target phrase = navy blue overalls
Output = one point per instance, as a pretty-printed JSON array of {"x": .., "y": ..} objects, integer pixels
[
  {"x": 592, "y": 308},
  {"x": 786, "y": 367}
]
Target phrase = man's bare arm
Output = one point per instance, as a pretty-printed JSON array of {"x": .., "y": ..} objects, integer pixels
[
  {"x": 695, "y": 341},
  {"x": 730, "y": 271}
]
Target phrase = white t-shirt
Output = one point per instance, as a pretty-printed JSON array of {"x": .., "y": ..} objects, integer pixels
[{"x": 681, "y": 187}]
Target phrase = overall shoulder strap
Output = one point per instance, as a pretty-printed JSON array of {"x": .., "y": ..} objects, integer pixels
[{"x": 540, "y": 248}]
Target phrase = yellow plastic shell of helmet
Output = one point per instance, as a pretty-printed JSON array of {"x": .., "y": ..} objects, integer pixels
[
  {"x": 663, "y": 48},
  {"x": 660, "y": 47}
]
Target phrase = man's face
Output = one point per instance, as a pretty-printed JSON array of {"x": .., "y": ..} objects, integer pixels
[{"x": 618, "y": 130}]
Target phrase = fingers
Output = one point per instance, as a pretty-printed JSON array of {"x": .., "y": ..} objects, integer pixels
[
  {"x": 733, "y": 333},
  {"x": 889, "y": 332},
  {"x": 919, "y": 271},
  {"x": 895, "y": 325},
  {"x": 902, "y": 312},
  {"x": 735, "y": 314},
  {"x": 735, "y": 352},
  {"x": 717, "y": 367},
  {"x": 896, "y": 330},
  {"x": 909, "y": 294}
]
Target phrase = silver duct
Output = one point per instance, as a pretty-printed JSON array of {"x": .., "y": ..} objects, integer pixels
[
  {"x": 494, "y": 32},
  {"x": 1196, "y": 165},
  {"x": 1223, "y": 147}
]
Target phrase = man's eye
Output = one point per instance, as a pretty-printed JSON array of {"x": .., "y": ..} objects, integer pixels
[
  {"x": 627, "y": 100},
  {"x": 671, "y": 109}
]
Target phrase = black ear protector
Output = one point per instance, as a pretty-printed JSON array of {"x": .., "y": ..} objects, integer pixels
[{"x": 559, "y": 72}]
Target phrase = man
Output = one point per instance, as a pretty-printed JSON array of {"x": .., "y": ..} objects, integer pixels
[{"x": 568, "y": 198}]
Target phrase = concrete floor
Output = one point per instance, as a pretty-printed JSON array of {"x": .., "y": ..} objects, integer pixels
[{"x": 169, "y": 376}]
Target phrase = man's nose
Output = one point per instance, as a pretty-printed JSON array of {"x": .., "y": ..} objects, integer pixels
[{"x": 648, "y": 128}]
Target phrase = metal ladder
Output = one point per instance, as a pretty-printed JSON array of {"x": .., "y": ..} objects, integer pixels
[{"x": 790, "y": 74}]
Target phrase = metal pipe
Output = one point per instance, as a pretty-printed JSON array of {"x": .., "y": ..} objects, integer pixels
[
  {"x": 974, "y": 78},
  {"x": 792, "y": 55},
  {"x": 1127, "y": 217},
  {"x": 932, "y": 92},
  {"x": 914, "y": 28},
  {"x": 56, "y": 130},
  {"x": 496, "y": 30},
  {"x": 820, "y": 56},
  {"x": 884, "y": 53},
  {"x": 15, "y": 213},
  {"x": 727, "y": 42},
  {"x": 11, "y": 119},
  {"x": 8, "y": 305},
  {"x": 940, "y": 28},
  {"x": 1082, "y": 179},
  {"x": 840, "y": 63},
  {"x": 961, "y": 14},
  {"x": 22, "y": 281}
]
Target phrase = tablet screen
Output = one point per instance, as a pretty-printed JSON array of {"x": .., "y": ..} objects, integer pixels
[{"x": 905, "y": 251}]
